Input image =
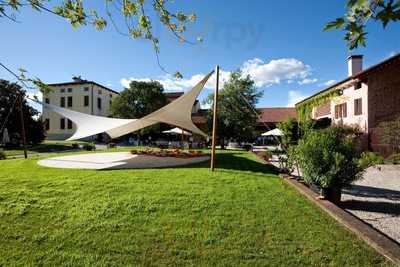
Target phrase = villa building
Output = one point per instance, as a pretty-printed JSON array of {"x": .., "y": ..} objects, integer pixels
[
  {"x": 365, "y": 99},
  {"x": 80, "y": 95}
]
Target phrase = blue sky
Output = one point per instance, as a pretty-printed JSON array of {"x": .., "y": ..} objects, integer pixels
[{"x": 279, "y": 43}]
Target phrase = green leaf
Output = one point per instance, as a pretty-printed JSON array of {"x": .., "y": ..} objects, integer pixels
[{"x": 336, "y": 24}]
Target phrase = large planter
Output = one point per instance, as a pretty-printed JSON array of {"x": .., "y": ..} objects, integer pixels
[{"x": 332, "y": 194}]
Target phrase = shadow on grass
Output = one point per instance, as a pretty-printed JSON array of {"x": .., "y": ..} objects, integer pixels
[{"x": 236, "y": 161}]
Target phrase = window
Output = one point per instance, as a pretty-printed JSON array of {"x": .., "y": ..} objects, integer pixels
[
  {"x": 86, "y": 89},
  {"x": 62, "y": 102},
  {"x": 99, "y": 103},
  {"x": 358, "y": 85},
  {"x": 86, "y": 100},
  {"x": 62, "y": 90},
  {"x": 110, "y": 103},
  {"x": 47, "y": 100},
  {"x": 69, "y": 90},
  {"x": 358, "y": 106},
  {"x": 62, "y": 123},
  {"x": 69, "y": 124},
  {"x": 341, "y": 111},
  {"x": 110, "y": 95},
  {"x": 47, "y": 124},
  {"x": 70, "y": 101},
  {"x": 99, "y": 92}
]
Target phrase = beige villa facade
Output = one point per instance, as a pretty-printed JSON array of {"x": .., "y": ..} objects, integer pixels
[
  {"x": 80, "y": 95},
  {"x": 367, "y": 97}
]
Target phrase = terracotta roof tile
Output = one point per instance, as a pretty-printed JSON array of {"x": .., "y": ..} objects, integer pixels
[{"x": 276, "y": 114}]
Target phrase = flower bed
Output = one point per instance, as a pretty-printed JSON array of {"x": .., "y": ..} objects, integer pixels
[{"x": 176, "y": 153}]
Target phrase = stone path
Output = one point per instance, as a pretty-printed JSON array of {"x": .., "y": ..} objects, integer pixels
[
  {"x": 376, "y": 199},
  {"x": 116, "y": 160}
]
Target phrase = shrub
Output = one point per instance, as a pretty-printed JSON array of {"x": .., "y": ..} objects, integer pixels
[
  {"x": 394, "y": 158},
  {"x": 2, "y": 154},
  {"x": 247, "y": 147},
  {"x": 328, "y": 158},
  {"x": 89, "y": 147},
  {"x": 266, "y": 155},
  {"x": 370, "y": 159},
  {"x": 75, "y": 146},
  {"x": 111, "y": 145}
]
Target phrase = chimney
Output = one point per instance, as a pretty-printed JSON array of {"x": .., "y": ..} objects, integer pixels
[
  {"x": 77, "y": 79},
  {"x": 354, "y": 64}
]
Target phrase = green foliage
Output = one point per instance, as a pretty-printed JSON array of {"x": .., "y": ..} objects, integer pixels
[
  {"x": 359, "y": 12},
  {"x": 369, "y": 159},
  {"x": 139, "y": 100},
  {"x": 391, "y": 133},
  {"x": 2, "y": 154},
  {"x": 9, "y": 92},
  {"x": 266, "y": 155},
  {"x": 394, "y": 158},
  {"x": 290, "y": 130},
  {"x": 328, "y": 158},
  {"x": 236, "y": 108},
  {"x": 89, "y": 146},
  {"x": 305, "y": 108}
]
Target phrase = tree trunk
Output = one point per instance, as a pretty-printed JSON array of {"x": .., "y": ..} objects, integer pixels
[{"x": 222, "y": 140}]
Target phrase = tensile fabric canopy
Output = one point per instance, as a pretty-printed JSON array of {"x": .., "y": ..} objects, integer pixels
[
  {"x": 177, "y": 113},
  {"x": 274, "y": 132},
  {"x": 177, "y": 130}
]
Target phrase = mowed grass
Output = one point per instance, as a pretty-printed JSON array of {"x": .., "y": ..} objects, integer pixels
[{"x": 240, "y": 215}]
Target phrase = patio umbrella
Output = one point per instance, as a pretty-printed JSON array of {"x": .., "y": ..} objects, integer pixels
[
  {"x": 177, "y": 130},
  {"x": 274, "y": 132},
  {"x": 6, "y": 137}
]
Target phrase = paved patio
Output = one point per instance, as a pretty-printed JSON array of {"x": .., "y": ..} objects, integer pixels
[
  {"x": 116, "y": 160},
  {"x": 376, "y": 199}
]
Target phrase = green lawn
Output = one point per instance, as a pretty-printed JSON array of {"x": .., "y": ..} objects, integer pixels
[
  {"x": 240, "y": 215},
  {"x": 45, "y": 147}
]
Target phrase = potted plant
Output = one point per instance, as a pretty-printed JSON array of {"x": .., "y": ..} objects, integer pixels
[{"x": 329, "y": 159}]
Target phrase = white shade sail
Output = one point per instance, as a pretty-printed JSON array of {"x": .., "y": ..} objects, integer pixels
[
  {"x": 178, "y": 113},
  {"x": 177, "y": 130},
  {"x": 274, "y": 132}
]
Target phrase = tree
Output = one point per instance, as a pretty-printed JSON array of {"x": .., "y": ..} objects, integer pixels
[
  {"x": 136, "y": 16},
  {"x": 237, "y": 115},
  {"x": 10, "y": 117},
  {"x": 139, "y": 100},
  {"x": 359, "y": 12}
]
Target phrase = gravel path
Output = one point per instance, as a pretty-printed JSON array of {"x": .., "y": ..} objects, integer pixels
[{"x": 376, "y": 199}]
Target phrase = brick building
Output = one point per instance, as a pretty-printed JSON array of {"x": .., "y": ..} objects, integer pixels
[{"x": 366, "y": 99}]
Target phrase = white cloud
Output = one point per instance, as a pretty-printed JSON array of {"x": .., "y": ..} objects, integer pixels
[
  {"x": 275, "y": 71},
  {"x": 393, "y": 53},
  {"x": 328, "y": 83},
  {"x": 172, "y": 84},
  {"x": 295, "y": 97},
  {"x": 307, "y": 81},
  {"x": 263, "y": 73}
]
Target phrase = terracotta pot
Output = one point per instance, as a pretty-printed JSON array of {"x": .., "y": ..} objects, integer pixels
[{"x": 332, "y": 194}]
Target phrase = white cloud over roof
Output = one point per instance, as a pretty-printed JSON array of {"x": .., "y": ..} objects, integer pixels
[{"x": 263, "y": 73}]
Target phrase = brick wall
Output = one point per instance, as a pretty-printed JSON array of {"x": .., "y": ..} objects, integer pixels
[
  {"x": 323, "y": 110},
  {"x": 383, "y": 102}
]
